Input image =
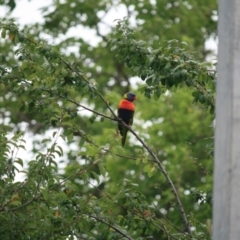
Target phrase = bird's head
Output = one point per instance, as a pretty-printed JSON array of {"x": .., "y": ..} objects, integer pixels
[{"x": 130, "y": 96}]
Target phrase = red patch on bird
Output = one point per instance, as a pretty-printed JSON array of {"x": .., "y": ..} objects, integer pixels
[{"x": 125, "y": 104}]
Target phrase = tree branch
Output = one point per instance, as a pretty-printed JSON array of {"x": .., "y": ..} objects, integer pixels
[
  {"x": 161, "y": 168},
  {"x": 112, "y": 226},
  {"x": 155, "y": 158}
]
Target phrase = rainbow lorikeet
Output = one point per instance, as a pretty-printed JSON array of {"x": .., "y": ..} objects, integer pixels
[{"x": 126, "y": 110}]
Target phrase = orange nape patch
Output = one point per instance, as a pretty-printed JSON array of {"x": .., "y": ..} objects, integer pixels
[{"x": 125, "y": 104}]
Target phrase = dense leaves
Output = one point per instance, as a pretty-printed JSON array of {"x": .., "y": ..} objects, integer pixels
[
  {"x": 64, "y": 174},
  {"x": 165, "y": 67}
]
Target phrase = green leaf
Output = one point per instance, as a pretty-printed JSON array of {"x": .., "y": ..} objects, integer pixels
[
  {"x": 157, "y": 92},
  {"x": 16, "y": 203},
  {"x": 102, "y": 169},
  {"x": 61, "y": 151},
  {"x": 3, "y": 33},
  {"x": 92, "y": 119},
  {"x": 138, "y": 161},
  {"x": 45, "y": 194},
  {"x": 19, "y": 161},
  {"x": 46, "y": 140},
  {"x": 97, "y": 210},
  {"x": 96, "y": 177},
  {"x": 82, "y": 141},
  {"x": 147, "y": 168},
  {"x": 70, "y": 136},
  {"x": 168, "y": 65}
]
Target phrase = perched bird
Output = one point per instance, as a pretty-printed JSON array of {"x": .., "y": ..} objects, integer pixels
[{"x": 126, "y": 110}]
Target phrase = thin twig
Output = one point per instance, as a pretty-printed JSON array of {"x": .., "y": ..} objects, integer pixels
[
  {"x": 104, "y": 149},
  {"x": 112, "y": 226},
  {"x": 90, "y": 110}
]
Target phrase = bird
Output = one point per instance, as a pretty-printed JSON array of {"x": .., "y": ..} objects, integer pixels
[{"x": 125, "y": 112}]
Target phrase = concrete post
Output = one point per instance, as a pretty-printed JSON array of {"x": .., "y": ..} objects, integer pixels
[{"x": 226, "y": 202}]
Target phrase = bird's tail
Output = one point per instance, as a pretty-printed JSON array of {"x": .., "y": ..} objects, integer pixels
[
  {"x": 123, "y": 132},
  {"x": 124, "y": 137},
  {"x": 120, "y": 129}
]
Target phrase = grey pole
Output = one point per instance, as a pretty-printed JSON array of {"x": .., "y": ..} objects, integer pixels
[{"x": 226, "y": 200}]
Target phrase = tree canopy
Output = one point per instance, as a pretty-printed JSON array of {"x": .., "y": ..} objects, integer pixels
[{"x": 64, "y": 173}]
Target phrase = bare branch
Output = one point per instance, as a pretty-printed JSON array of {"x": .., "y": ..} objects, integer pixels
[{"x": 113, "y": 227}]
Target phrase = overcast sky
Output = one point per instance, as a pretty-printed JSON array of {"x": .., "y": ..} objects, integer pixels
[{"x": 28, "y": 12}]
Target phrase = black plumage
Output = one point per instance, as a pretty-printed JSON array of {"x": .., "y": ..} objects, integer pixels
[{"x": 126, "y": 110}]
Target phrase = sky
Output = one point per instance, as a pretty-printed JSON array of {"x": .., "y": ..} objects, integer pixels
[{"x": 28, "y": 12}]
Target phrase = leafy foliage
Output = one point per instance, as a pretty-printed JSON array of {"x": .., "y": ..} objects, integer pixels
[
  {"x": 164, "y": 67},
  {"x": 77, "y": 181}
]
